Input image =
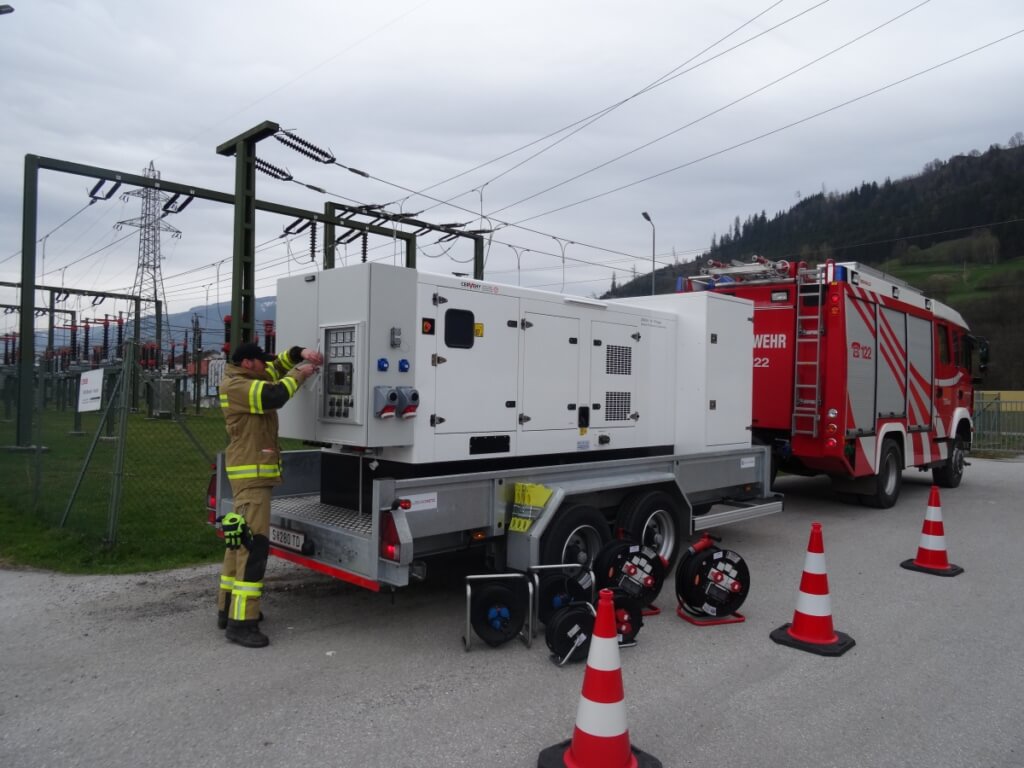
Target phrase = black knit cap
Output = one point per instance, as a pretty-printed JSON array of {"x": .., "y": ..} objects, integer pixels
[{"x": 250, "y": 351}]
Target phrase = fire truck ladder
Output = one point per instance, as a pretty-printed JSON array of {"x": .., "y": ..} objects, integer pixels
[{"x": 810, "y": 314}]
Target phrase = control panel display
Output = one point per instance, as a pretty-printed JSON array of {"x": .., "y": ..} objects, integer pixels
[{"x": 339, "y": 393}]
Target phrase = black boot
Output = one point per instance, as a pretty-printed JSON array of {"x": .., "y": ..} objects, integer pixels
[
  {"x": 222, "y": 616},
  {"x": 246, "y": 633}
]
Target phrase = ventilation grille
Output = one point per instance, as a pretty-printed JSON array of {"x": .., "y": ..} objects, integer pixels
[
  {"x": 616, "y": 405},
  {"x": 619, "y": 360}
]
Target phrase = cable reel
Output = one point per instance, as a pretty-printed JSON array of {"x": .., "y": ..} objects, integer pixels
[
  {"x": 634, "y": 569},
  {"x": 568, "y": 632},
  {"x": 628, "y": 617},
  {"x": 557, "y": 590},
  {"x": 711, "y": 581},
  {"x": 497, "y": 613}
]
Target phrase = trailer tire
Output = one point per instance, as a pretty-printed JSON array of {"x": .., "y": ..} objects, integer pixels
[
  {"x": 497, "y": 613},
  {"x": 951, "y": 473},
  {"x": 888, "y": 480},
  {"x": 651, "y": 519},
  {"x": 575, "y": 537}
]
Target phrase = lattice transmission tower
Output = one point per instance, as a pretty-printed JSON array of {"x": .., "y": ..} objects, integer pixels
[{"x": 149, "y": 283}]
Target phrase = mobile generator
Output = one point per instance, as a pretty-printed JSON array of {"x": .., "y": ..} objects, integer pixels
[{"x": 442, "y": 397}]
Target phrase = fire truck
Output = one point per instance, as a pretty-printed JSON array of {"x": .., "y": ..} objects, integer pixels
[
  {"x": 857, "y": 375},
  {"x": 453, "y": 413}
]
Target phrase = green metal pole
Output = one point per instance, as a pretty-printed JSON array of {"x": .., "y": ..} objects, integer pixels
[
  {"x": 243, "y": 279},
  {"x": 26, "y": 364}
]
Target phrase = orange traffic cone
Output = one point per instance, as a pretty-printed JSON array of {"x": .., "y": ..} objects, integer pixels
[
  {"x": 811, "y": 629},
  {"x": 600, "y": 739},
  {"x": 931, "y": 552}
]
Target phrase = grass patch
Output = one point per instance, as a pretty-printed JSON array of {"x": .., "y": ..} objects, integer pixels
[{"x": 160, "y": 522}]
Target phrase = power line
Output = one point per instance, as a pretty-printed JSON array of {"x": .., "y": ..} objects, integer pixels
[
  {"x": 774, "y": 131},
  {"x": 585, "y": 122},
  {"x": 714, "y": 112}
]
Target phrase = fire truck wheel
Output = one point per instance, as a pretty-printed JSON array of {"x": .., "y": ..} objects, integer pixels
[
  {"x": 497, "y": 613},
  {"x": 576, "y": 536},
  {"x": 951, "y": 473},
  {"x": 651, "y": 518},
  {"x": 888, "y": 480}
]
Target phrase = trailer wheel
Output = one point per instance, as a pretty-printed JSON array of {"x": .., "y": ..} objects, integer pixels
[
  {"x": 497, "y": 613},
  {"x": 575, "y": 537},
  {"x": 951, "y": 473},
  {"x": 651, "y": 518},
  {"x": 888, "y": 480}
]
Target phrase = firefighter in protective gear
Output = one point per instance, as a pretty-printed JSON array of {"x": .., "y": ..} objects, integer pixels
[{"x": 254, "y": 386}]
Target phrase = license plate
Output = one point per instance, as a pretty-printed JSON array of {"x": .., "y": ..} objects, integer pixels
[{"x": 288, "y": 539}]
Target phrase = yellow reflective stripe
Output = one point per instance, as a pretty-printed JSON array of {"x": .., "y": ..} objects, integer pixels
[
  {"x": 244, "y": 471},
  {"x": 227, "y": 582},
  {"x": 255, "y": 397},
  {"x": 224, "y": 401},
  {"x": 290, "y": 384},
  {"x": 250, "y": 588},
  {"x": 243, "y": 592}
]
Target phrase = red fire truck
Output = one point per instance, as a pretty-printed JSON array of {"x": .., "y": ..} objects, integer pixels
[{"x": 857, "y": 375}]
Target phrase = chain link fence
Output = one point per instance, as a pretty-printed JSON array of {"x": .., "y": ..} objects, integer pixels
[
  {"x": 130, "y": 476},
  {"x": 999, "y": 423}
]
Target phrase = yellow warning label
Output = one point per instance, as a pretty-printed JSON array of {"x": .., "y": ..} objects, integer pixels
[
  {"x": 519, "y": 524},
  {"x": 478, "y": 330}
]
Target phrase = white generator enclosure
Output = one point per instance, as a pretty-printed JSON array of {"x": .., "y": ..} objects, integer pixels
[{"x": 422, "y": 368}]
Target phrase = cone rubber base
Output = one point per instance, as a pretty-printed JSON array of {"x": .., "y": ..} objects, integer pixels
[
  {"x": 953, "y": 570},
  {"x": 838, "y": 648},
  {"x": 552, "y": 757}
]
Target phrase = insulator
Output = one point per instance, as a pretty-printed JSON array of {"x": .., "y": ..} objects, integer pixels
[
  {"x": 303, "y": 147},
  {"x": 312, "y": 243},
  {"x": 364, "y": 247},
  {"x": 272, "y": 170}
]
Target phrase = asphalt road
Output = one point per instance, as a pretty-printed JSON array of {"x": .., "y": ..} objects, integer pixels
[{"x": 131, "y": 671}]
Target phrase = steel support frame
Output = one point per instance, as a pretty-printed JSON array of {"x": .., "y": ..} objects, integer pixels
[{"x": 246, "y": 204}]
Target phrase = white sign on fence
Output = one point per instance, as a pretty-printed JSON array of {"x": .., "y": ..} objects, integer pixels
[{"x": 90, "y": 391}]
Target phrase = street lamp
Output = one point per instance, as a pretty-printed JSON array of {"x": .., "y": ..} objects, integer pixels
[{"x": 653, "y": 232}]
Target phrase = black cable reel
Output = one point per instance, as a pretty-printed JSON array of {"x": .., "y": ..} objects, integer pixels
[
  {"x": 711, "y": 582},
  {"x": 498, "y": 611},
  {"x": 558, "y": 590},
  {"x": 568, "y": 632},
  {"x": 631, "y": 568}
]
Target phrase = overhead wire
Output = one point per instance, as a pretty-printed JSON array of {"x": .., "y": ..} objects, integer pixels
[
  {"x": 774, "y": 131},
  {"x": 714, "y": 112},
  {"x": 585, "y": 122}
]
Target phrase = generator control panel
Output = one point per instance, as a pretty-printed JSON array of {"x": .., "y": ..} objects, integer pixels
[{"x": 341, "y": 398}]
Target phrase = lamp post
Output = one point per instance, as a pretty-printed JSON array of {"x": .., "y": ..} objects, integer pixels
[{"x": 653, "y": 233}]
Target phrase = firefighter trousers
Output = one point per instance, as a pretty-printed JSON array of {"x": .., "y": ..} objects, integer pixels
[{"x": 241, "y": 577}]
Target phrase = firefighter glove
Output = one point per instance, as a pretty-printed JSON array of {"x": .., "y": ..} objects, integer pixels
[{"x": 236, "y": 532}]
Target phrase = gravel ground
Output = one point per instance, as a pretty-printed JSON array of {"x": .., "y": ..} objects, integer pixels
[{"x": 131, "y": 671}]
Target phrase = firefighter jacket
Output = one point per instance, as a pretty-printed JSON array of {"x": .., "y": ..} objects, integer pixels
[{"x": 250, "y": 401}]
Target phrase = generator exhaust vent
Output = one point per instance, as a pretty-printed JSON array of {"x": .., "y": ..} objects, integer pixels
[
  {"x": 616, "y": 406},
  {"x": 618, "y": 360}
]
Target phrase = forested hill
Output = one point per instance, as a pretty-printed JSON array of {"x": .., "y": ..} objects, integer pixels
[{"x": 956, "y": 231}]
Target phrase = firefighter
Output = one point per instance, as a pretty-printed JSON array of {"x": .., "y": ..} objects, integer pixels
[{"x": 254, "y": 386}]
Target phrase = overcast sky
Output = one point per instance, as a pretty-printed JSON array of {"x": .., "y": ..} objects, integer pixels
[{"x": 414, "y": 92}]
